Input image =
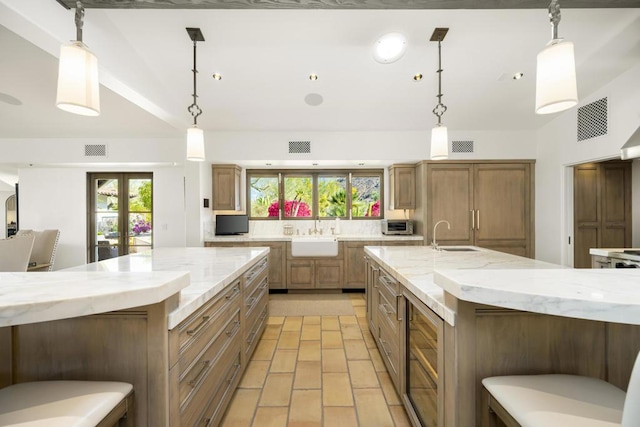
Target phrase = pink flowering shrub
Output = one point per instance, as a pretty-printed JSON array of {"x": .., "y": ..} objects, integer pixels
[
  {"x": 289, "y": 208},
  {"x": 374, "y": 209}
]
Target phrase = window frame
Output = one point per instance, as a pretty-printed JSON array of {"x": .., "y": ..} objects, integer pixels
[{"x": 348, "y": 174}]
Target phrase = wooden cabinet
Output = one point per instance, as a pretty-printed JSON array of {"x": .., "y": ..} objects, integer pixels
[
  {"x": 402, "y": 186},
  {"x": 389, "y": 325},
  {"x": 598, "y": 261},
  {"x": 601, "y": 208},
  {"x": 254, "y": 311},
  {"x": 315, "y": 273},
  {"x": 487, "y": 204},
  {"x": 355, "y": 269},
  {"x": 226, "y": 187},
  {"x": 277, "y": 259}
]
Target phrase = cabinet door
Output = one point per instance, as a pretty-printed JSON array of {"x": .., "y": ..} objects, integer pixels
[
  {"x": 450, "y": 197},
  {"x": 355, "y": 266},
  {"x": 502, "y": 207},
  {"x": 226, "y": 187},
  {"x": 329, "y": 274},
  {"x": 277, "y": 266},
  {"x": 300, "y": 274},
  {"x": 586, "y": 211},
  {"x": 402, "y": 186}
]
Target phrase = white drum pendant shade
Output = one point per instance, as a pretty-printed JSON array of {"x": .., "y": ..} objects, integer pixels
[
  {"x": 78, "y": 85},
  {"x": 195, "y": 144},
  {"x": 556, "y": 88},
  {"x": 439, "y": 143}
]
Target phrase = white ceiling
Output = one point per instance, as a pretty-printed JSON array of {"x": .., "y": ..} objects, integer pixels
[{"x": 265, "y": 57}]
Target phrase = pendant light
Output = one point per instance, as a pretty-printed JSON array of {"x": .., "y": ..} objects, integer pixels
[
  {"x": 195, "y": 135},
  {"x": 439, "y": 137},
  {"x": 556, "y": 88},
  {"x": 78, "y": 85}
]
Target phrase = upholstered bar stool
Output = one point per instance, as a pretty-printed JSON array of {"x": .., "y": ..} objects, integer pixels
[
  {"x": 560, "y": 400},
  {"x": 67, "y": 404}
]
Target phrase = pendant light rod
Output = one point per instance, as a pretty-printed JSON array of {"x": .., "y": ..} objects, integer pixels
[
  {"x": 554, "y": 18},
  {"x": 438, "y": 35},
  {"x": 196, "y": 35},
  {"x": 79, "y": 20}
]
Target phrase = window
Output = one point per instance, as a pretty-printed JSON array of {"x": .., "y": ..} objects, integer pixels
[
  {"x": 301, "y": 194},
  {"x": 119, "y": 202}
]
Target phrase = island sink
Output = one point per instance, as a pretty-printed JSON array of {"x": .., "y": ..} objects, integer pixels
[
  {"x": 457, "y": 249},
  {"x": 314, "y": 246}
]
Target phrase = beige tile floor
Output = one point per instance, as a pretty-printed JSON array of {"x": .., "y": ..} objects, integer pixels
[{"x": 317, "y": 371}]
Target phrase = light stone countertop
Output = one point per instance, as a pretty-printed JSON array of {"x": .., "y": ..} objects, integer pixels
[
  {"x": 39, "y": 297},
  {"x": 415, "y": 266},
  {"x": 340, "y": 237},
  {"x": 210, "y": 270},
  {"x": 616, "y": 252}
]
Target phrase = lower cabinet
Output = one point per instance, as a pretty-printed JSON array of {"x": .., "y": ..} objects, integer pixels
[
  {"x": 315, "y": 273},
  {"x": 214, "y": 346},
  {"x": 410, "y": 338}
]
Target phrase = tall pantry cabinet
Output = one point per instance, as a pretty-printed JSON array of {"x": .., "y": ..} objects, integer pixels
[{"x": 488, "y": 204}]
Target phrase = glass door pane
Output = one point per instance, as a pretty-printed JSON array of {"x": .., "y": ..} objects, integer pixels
[
  {"x": 107, "y": 230},
  {"x": 422, "y": 367},
  {"x": 140, "y": 216}
]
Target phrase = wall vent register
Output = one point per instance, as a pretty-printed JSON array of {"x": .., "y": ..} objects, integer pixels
[
  {"x": 593, "y": 119},
  {"x": 95, "y": 150},
  {"x": 462, "y": 146},
  {"x": 298, "y": 147}
]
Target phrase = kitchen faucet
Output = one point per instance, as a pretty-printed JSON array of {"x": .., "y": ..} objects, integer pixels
[{"x": 433, "y": 243}]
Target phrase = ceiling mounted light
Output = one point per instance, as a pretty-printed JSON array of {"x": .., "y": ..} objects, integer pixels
[
  {"x": 417, "y": 77},
  {"x": 78, "y": 85},
  {"x": 556, "y": 88},
  {"x": 217, "y": 76},
  {"x": 313, "y": 77},
  {"x": 439, "y": 137},
  {"x": 195, "y": 135},
  {"x": 389, "y": 48}
]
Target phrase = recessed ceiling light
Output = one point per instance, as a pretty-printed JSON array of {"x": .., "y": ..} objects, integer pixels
[
  {"x": 217, "y": 76},
  {"x": 389, "y": 48},
  {"x": 417, "y": 77},
  {"x": 517, "y": 76},
  {"x": 313, "y": 77}
]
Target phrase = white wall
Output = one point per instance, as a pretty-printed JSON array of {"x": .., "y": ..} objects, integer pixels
[
  {"x": 557, "y": 148},
  {"x": 4, "y": 195}
]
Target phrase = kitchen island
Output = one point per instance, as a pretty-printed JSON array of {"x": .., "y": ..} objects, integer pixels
[
  {"x": 496, "y": 314},
  {"x": 174, "y": 322}
]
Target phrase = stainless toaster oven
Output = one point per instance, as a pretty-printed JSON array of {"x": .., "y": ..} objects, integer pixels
[{"x": 397, "y": 226}]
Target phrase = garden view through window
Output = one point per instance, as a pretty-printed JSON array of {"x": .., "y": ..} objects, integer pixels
[{"x": 310, "y": 194}]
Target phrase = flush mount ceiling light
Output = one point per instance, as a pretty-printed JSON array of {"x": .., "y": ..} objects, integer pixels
[
  {"x": 417, "y": 77},
  {"x": 195, "y": 135},
  {"x": 78, "y": 85},
  {"x": 517, "y": 76},
  {"x": 217, "y": 76},
  {"x": 439, "y": 137},
  {"x": 389, "y": 48},
  {"x": 556, "y": 88},
  {"x": 313, "y": 77}
]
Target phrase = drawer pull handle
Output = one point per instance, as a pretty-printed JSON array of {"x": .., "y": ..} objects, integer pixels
[
  {"x": 251, "y": 301},
  {"x": 234, "y": 329},
  {"x": 251, "y": 337},
  {"x": 384, "y": 308},
  {"x": 207, "y": 421},
  {"x": 382, "y": 343},
  {"x": 195, "y": 330},
  {"x": 230, "y": 295},
  {"x": 236, "y": 367},
  {"x": 205, "y": 365},
  {"x": 398, "y": 311}
]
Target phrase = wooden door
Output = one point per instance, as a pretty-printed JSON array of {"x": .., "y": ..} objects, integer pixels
[
  {"x": 601, "y": 208},
  {"x": 502, "y": 204},
  {"x": 450, "y": 197},
  {"x": 355, "y": 271},
  {"x": 329, "y": 274},
  {"x": 300, "y": 274}
]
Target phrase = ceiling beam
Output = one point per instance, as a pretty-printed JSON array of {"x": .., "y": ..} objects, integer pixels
[{"x": 346, "y": 4}]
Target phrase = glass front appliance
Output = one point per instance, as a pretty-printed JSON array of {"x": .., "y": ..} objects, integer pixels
[{"x": 424, "y": 362}]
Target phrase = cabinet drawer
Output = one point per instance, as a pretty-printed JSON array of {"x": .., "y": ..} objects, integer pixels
[
  {"x": 190, "y": 330},
  {"x": 391, "y": 284},
  {"x": 255, "y": 330},
  {"x": 252, "y": 300},
  {"x": 192, "y": 381},
  {"x": 390, "y": 351},
  {"x": 388, "y": 309},
  {"x": 253, "y": 273},
  {"x": 215, "y": 410}
]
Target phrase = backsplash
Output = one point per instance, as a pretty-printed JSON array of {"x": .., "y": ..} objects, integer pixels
[{"x": 302, "y": 227}]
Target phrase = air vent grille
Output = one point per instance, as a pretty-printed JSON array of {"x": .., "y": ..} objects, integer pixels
[
  {"x": 462, "y": 146},
  {"x": 95, "y": 150},
  {"x": 592, "y": 120},
  {"x": 298, "y": 147}
]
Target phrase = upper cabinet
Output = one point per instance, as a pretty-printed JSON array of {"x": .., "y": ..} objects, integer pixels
[
  {"x": 488, "y": 204},
  {"x": 402, "y": 187},
  {"x": 226, "y": 187}
]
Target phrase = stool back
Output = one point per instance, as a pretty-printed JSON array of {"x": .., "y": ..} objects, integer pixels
[{"x": 631, "y": 410}]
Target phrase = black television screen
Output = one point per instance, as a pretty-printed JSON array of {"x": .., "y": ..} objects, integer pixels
[{"x": 231, "y": 224}]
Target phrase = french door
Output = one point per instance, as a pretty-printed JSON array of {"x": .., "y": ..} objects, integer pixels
[{"x": 120, "y": 214}]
